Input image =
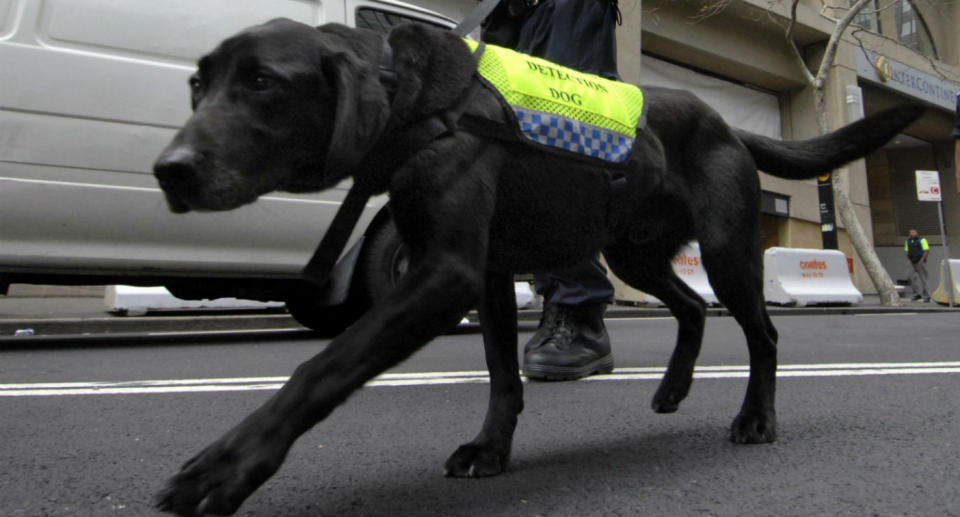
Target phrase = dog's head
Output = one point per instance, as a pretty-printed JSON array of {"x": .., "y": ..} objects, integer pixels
[{"x": 279, "y": 106}]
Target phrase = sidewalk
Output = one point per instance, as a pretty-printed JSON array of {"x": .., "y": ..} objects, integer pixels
[
  {"x": 50, "y": 316},
  {"x": 89, "y": 315}
]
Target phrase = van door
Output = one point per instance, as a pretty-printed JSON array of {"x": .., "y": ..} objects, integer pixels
[{"x": 92, "y": 92}]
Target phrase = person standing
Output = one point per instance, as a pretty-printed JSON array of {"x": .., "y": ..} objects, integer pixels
[
  {"x": 571, "y": 341},
  {"x": 917, "y": 250}
]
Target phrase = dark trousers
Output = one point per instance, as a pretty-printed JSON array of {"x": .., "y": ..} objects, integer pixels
[
  {"x": 575, "y": 33},
  {"x": 583, "y": 284},
  {"x": 578, "y": 34},
  {"x": 918, "y": 278}
]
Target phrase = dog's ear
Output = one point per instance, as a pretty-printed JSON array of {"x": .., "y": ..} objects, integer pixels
[{"x": 360, "y": 115}]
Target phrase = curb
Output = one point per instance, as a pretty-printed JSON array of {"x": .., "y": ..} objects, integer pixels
[
  {"x": 122, "y": 324},
  {"x": 230, "y": 323}
]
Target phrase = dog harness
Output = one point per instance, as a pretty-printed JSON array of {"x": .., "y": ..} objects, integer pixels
[
  {"x": 554, "y": 107},
  {"x": 562, "y": 108}
]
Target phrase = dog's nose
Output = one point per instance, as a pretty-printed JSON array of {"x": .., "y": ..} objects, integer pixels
[{"x": 177, "y": 164}]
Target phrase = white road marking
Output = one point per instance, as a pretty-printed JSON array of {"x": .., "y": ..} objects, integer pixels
[
  {"x": 464, "y": 377},
  {"x": 221, "y": 384}
]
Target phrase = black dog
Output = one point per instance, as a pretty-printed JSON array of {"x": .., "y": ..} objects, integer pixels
[{"x": 284, "y": 106}]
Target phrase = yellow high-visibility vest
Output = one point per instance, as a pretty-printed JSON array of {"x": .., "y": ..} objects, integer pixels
[{"x": 563, "y": 108}]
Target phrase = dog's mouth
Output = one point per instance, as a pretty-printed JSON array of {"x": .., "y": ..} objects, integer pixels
[
  {"x": 194, "y": 181},
  {"x": 175, "y": 204},
  {"x": 192, "y": 196}
]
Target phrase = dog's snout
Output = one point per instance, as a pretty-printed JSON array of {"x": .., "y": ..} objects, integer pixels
[{"x": 176, "y": 164}]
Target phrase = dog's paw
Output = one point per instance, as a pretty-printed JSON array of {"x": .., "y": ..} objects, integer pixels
[
  {"x": 219, "y": 479},
  {"x": 667, "y": 400},
  {"x": 754, "y": 428},
  {"x": 476, "y": 460},
  {"x": 670, "y": 393}
]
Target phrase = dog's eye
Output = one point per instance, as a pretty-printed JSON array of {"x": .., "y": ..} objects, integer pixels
[
  {"x": 260, "y": 82},
  {"x": 195, "y": 85}
]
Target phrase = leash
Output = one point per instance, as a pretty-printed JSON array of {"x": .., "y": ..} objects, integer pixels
[
  {"x": 317, "y": 271},
  {"x": 475, "y": 18}
]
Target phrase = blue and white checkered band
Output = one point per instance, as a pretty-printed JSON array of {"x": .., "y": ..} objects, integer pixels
[{"x": 573, "y": 135}]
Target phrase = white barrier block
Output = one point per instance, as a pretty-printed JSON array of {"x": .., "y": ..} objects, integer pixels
[
  {"x": 688, "y": 265},
  {"x": 802, "y": 277},
  {"x": 140, "y": 300},
  {"x": 526, "y": 298},
  {"x": 942, "y": 295}
]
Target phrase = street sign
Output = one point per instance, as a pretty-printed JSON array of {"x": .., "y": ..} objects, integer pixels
[
  {"x": 928, "y": 189},
  {"x": 928, "y": 185}
]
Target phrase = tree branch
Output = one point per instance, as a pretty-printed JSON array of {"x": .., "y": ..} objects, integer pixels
[
  {"x": 710, "y": 10},
  {"x": 831, "y": 50},
  {"x": 794, "y": 49}
]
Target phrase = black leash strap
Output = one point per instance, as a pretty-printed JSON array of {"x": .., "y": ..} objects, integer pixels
[
  {"x": 318, "y": 270},
  {"x": 475, "y": 18}
]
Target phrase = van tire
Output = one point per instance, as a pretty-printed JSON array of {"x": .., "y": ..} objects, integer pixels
[
  {"x": 383, "y": 261},
  {"x": 326, "y": 320}
]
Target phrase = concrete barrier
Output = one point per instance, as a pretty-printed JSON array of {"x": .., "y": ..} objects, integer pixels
[
  {"x": 802, "y": 277},
  {"x": 526, "y": 297},
  {"x": 688, "y": 265},
  {"x": 140, "y": 300},
  {"x": 942, "y": 295}
]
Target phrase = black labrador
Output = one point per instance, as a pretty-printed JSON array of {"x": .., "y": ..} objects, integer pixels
[{"x": 285, "y": 106}]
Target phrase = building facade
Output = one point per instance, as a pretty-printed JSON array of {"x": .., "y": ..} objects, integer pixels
[
  {"x": 896, "y": 52},
  {"x": 735, "y": 55}
]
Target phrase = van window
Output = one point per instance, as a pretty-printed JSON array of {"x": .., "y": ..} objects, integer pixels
[{"x": 383, "y": 21}]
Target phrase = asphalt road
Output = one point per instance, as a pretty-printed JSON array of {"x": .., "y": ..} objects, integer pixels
[{"x": 868, "y": 409}]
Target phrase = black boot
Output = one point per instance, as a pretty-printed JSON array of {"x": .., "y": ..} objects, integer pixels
[
  {"x": 548, "y": 323},
  {"x": 571, "y": 343}
]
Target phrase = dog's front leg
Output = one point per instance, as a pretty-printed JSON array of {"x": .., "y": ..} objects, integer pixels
[
  {"x": 430, "y": 299},
  {"x": 489, "y": 453}
]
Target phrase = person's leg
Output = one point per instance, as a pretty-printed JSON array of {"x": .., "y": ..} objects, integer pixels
[
  {"x": 922, "y": 273},
  {"x": 572, "y": 340},
  {"x": 915, "y": 281},
  {"x": 583, "y": 284}
]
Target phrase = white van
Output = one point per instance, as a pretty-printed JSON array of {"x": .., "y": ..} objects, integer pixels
[{"x": 90, "y": 93}]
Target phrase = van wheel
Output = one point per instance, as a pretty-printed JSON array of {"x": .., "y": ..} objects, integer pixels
[
  {"x": 383, "y": 261},
  {"x": 326, "y": 320}
]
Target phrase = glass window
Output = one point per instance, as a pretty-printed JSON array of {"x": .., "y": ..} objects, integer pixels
[
  {"x": 900, "y": 20},
  {"x": 911, "y": 29},
  {"x": 867, "y": 17}
]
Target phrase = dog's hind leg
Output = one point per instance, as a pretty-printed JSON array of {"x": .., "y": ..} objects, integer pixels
[
  {"x": 489, "y": 453},
  {"x": 684, "y": 303},
  {"x": 735, "y": 273}
]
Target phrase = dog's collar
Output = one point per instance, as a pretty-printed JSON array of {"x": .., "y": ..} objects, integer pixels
[{"x": 386, "y": 74}]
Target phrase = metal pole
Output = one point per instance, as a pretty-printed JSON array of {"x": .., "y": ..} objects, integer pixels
[{"x": 946, "y": 253}]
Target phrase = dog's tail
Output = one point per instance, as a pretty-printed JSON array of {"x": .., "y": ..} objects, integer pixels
[{"x": 805, "y": 159}]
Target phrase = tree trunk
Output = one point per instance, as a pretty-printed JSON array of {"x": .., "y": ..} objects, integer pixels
[
  {"x": 871, "y": 263},
  {"x": 861, "y": 243}
]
